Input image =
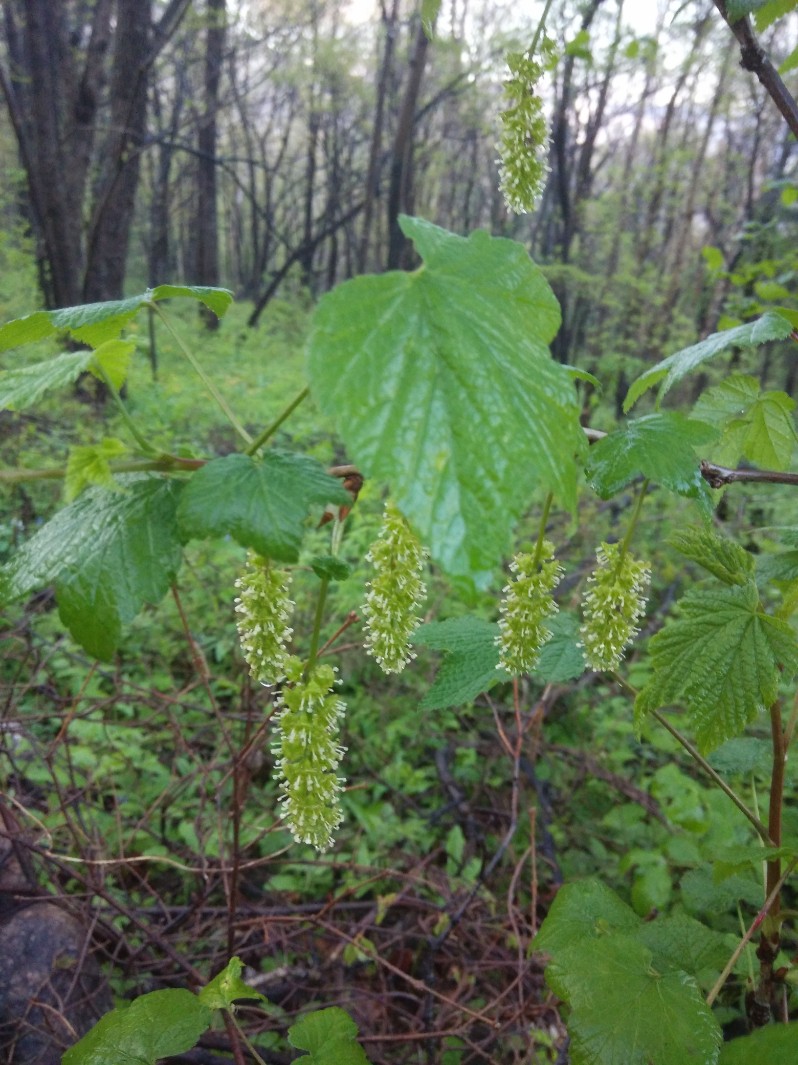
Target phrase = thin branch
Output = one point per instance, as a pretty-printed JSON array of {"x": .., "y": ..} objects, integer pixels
[
  {"x": 753, "y": 57},
  {"x": 718, "y": 476}
]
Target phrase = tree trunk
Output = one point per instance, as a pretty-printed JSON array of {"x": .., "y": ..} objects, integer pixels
[{"x": 207, "y": 222}]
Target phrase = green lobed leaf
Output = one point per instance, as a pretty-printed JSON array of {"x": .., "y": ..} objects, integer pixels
[
  {"x": 626, "y": 1012},
  {"x": 23, "y": 387},
  {"x": 112, "y": 360},
  {"x": 227, "y": 987},
  {"x": 772, "y": 10},
  {"x": 723, "y": 558},
  {"x": 217, "y": 300},
  {"x": 330, "y": 1036},
  {"x": 440, "y": 383},
  {"x": 670, "y": 371},
  {"x": 660, "y": 447},
  {"x": 726, "y": 406},
  {"x": 154, "y": 1026},
  {"x": 89, "y": 464},
  {"x": 97, "y": 323},
  {"x": 582, "y": 911},
  {"x": 108, "y": 554},
  {"x": 471, "y": 663},
  {"x": 719, "y": 657},
  {"x": 628, "y": 984},
  {"x": 261, "y": 503},
  {"x": 776, "y": 1044},
  {"x": 770, "y": 436}
]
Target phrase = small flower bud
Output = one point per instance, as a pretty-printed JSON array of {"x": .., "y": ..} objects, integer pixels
[
  {"x": 527, "y": 603},
  {"x": 395, "y": 593},
  {"x": 613, "y": 606},
  {"x": 263, "y": 609},
  {"x": 308, "y": 755}
]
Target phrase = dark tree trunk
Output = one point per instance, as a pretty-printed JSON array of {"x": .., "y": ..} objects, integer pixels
[
  {"x": 400, "y": 192},
  {"x": 207, "y": 220}
]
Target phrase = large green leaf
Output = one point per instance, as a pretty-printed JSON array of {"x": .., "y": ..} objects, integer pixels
[
  {"x": 626, "y": 1012},
  {"x": 770, "y": 326},
  {"x": 471, "y": 665},
  {"x": 777, "y": 1044},
  {"x": 108, "y": 554},
  {"x": 660, "y": 447},
  {"x": 632, "y": 998},
  {"x": 154, "y": 1026},
  {"x": 261, "y": 503},
  {"x": 329, "y": 1036},
  {"x": 440, "y": 383},
  {"x": 719, "y": 657},
  {"x": 770, "y": 435},
  {"x": 96, "y": 323}
]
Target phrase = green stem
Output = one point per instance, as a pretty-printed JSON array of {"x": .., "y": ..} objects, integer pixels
[
  {"x": 140, "y": 439},
  {"x": 314, "y": 639},
  {"x": 541, "y": 26},
  {"x": 247, "y": 1042},
  {"x": 716, "y": 777},
  {"x": 209, "y": 385},
  {"x": 164, "y": 464},
  {"x": 270, "y": 430},
  {"x": 641, "y": 495},
  {"x": 544, "y": 520}
]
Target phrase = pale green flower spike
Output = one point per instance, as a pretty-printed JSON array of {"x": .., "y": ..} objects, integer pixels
[
  {"x": 613, "y": 606},
  {"x": 395, "y": 593},
  {"x": 263, "y": 610},
  {"x": 527, "y": 603},
  {"x": 523, "y": 141},
  {"x": 308, "y": 755}
]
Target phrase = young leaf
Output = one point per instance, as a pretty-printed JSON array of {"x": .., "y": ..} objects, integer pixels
[
  {"x": 113, "y": 359},
  {"x": 108, "y": 553},
  {"x": 774, "y": 1045},
  {"x": 89, "y": 464},
  {"x": 217, "y": 300},
  {"x": 770, "y": 437},
  {"x": 623, "y": 1009},
  {"x": 154, "y": 1026},
  {"x": 441, "y": 383},
  {"x": 330, "y": 1036},
  {"x": 262, "y": 503},
  {"x": 719, "y": 657},
  {"x": 23, "y": 387},
  {"x": 657, "y": 446},
  {"x": 723, "y": 558},
  {"x": 96, "y": 323},
  {"x": 471, "y": 665},
  {"x": 769, "y": 327},
  {"x": 726, "y": 406},
  {"x": 227, "y": 987}
]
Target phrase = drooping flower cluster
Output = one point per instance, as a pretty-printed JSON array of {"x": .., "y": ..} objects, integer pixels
[
  {"x": 528, "y": 601},
  {"x": 395, "y": 592},
  {"x": 523, "y": 141},
  {"x": 308, "y": 754},
  {"x": 263, "y": 610},
  {"x": 613, "y": 606}
]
